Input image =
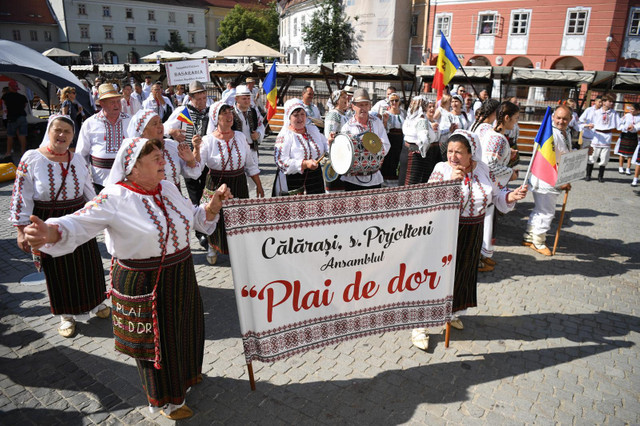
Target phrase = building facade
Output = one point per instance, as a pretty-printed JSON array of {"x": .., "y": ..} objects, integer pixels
[
  {"x": 546, "y": 34},
  {"x": 29, "y": 22},
  {"x": 124, "y": 31}
]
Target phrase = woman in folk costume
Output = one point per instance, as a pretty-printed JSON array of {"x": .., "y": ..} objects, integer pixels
[
  {"x": 420, "y": 151},
  {"x": 333, "y": 122},
  {"x": 51, "y": 181},
  {"x": 478, "y": 190},
  {"x": 179, "y": 158},
  {"x": 158, "y": 316},
  {"x": 297, "y": 150},
  {"x": 393, "y": 118},
  {"x": 628, "y": 140},
  {"x": 227, "y": 154},
  {"x": 496, "y": 153},
  {"x": 485, "y": 117}
]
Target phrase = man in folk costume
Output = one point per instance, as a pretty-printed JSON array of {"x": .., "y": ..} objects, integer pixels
[
  {"x": 158, "y": 102},
  {"x": 130, "y": 104},
  {"x": 188, "y": 124},
  {"x": 605, "y": 120},
  {"x": 586, "y": 126},
  {"x": 101, "y": 134},
  {"x": 545, "y": 195},
  {"x": 360, "y": 123},
  {"x": 248, "y": 120}
]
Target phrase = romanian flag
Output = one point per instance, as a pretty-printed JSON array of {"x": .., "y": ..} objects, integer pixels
[
  {"x": 185, "y": 117},
  {"x": 446, "y": 66},
  {"x": 271, "y": 90},
  {"x": 544, "y": 165}
]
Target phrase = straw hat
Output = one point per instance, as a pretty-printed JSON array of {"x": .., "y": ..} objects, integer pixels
[{"x": 106, "y": 91}]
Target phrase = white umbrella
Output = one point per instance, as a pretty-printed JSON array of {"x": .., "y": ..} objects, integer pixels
[
  {"x": 165, "y": 55},
  {"x": 55, "y": 52},
  {"x": 204, "y": 53},
  {"x": 249, "y": 47}
]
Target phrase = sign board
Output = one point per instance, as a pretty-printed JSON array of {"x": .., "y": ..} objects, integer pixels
[
  {"x": 572, "y": 167},
  {"x": 314, "y": 270},
  {"x": 184, "y": 72}
]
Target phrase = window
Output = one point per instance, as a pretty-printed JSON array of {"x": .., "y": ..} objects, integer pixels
[
  {"x": 34, "y": 35},
  {"x": 172, "y": 17},
  {"x": 84, "y": 31},
  {"x": 131, "y": 34},
  {"x": 577, "y": 21},
  {"x": 129, "y": 13},
  {"x": 47, "y": 36},
  {"x": 487, "y": 24},
  {"x": 82, "y": 9},
  {"x": 152, "y": 15},
  {"x": 152, "y": 35},
  {"x": 383, "y": 27},
  {"x": 301, "y": 24},
  {"x": 634, "y": 23},
  {"x": 295, "y": 27},
  {"x": 443, "y": 24},
  {"x": 190, "y": 19},
  {"x": 16, "y": 35},
  {"x": 414, "y": 25},
  {"x": 108, "y": 33},
  {"x": 519, "y": 23},
  {"x": 106, "y": 11},
  {"x": 192, "y": 37},
  {"x": 351, "y": 2}
]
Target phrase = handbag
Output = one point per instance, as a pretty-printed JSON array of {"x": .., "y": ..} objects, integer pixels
[{"x": 133, "y": 324}]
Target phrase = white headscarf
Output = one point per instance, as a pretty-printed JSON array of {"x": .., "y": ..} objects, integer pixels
[
  {"x": 290, "y": 107},
  {"x": 52, "y": 118},
  {"x": 214, "y": 113},
  {"x": 419, "y": 112},
  {"x": 125, "y": 159},
  {"x": 474, "y": 142},
  {"x": 139, "y": 121}
]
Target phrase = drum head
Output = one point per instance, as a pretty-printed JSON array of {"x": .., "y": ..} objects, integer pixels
[
  {"x": 341, "y": 154},
  {"x": 371, "y": 142},
  {"x": 329, "y": 174}
]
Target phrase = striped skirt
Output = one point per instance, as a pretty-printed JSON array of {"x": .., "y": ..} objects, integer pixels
[
  {"x": 628, "y": 143},
  {"x": 180, "y": 322},
  {"x": 75, "y": 282},
  {"x": 389, "y": 167},
  {"x": 311, "y": 180},
  {"x": 236, "y": 180},
  {"x": 415, "y": 169},
  {"x": 465, "y": 287}
]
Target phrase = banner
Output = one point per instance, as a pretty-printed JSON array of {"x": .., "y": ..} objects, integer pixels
[
  {"x": 572, "y": 166},
  {"x": 184, "y": 72},
  {"x": 314, "y": 270}
]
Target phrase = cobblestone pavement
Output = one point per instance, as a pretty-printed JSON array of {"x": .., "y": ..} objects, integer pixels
[{"x": 554, "y": 340}]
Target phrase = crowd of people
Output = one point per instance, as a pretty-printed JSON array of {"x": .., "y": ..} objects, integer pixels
[{"x": 120, "y": 171}]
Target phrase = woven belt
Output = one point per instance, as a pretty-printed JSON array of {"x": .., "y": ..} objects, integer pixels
[{"x": 102, "y": 163}]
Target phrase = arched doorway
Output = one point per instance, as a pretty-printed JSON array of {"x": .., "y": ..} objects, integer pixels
[
  {"x": 85, "y": 57},
  {"x": 479, "y": 61},
  {"x": 568, "y": 63},
  {"x": 521, "y": 62},
  {"x": 133, "y": 57},
  {"x": 110, "y": 57}
]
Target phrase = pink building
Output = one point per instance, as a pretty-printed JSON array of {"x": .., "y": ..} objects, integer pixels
[{"x": 548, "y": 34}]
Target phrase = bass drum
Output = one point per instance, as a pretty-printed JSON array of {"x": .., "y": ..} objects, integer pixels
[
  {"x": 341, "y": 154},
  {"x": 350, "y": 157}
]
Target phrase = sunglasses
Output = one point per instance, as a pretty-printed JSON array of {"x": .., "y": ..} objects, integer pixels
[{"x": 395, "y": 101}]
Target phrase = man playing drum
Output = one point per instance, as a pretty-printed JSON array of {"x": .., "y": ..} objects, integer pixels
[{"x": 368, "y": 157}]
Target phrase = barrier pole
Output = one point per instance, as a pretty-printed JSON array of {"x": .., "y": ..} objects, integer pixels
[
  {"x": 564, "y": 206},
  {"x": 252, "y": 380},
  {"x": 447, "y": 331}
]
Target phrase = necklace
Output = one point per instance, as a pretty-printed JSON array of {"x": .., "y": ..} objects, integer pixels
[{"x": 52, "y": 152}]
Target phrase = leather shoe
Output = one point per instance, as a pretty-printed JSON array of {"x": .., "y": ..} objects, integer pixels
[
  {"x": 527, "y": 243},
  {"x": 104, "y": 312},
  {"x": 485, "y": 267},
  {"x": 183, "y": 412},
  {"x": 488, "y": 260},
  {"x": 456, "y": 323},
  {"x": 67, "y": 328},
  {"x": 212, "y": 256},
  {"x": 542, "y": 250},
  {"x": 420, "y": 338}
]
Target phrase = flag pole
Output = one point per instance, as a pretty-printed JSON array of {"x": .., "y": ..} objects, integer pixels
[
  {"x": 535, "y": 151},
  {"x": 469, "y": 80},
  {"x": 564, "y": 207}
]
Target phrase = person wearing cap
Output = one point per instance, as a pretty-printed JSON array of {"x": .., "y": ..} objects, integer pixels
[
  {"x": 191, "y": 134},
  {"x": 360, "y": 123},
  {"x": 246, "y": 119},
  {"x": 297, "y": 150},
  {"x": 147, "y": 225},
  {"x": 15, "y": 104},
  {"x": 51, "y": 181},
  {"x": 159, "y": 103},
  {"x": 230, "y": 160},
  {"x": 102, "y": 134},
  {"x": 130, "y": 104},
  {"x": 255, "y": 91}
]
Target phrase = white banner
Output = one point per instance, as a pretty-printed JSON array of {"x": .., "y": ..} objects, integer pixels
[
  {"x": 572, "y": 167},
  {"x": 315, "y": 270},
  {"x": 184, "y": 72}
]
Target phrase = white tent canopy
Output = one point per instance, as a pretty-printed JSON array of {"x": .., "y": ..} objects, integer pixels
[
  {"x": 251, "y": 48},
  {"x": 56, "y": 52},
  {"x": 204, "y": 53},
  {"x": 165, "y": 55}
]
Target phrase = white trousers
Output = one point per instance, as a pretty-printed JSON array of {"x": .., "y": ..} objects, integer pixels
[
  {"x": 250, "y": 182},
  {"x": 601, "y": 156},
  {"x": 543, "y": 212}
]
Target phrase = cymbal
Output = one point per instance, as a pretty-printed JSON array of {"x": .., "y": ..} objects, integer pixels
[{"x": 371, "y": 142}]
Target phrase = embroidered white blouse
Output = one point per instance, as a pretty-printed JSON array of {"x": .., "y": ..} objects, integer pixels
[
  {"x": 291, "y": 149},
  {"x": 354, "y": 128},
  {"x": 38, "y": 178},
  {"x": 135, "y": 226},
  {"x": 217, "y": 154},
  {"x": 420, "y": 132},
  {"x": 496, "y": 154}
]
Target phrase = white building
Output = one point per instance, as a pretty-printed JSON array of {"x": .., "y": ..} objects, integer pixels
[{"x": 123, "y": 31}]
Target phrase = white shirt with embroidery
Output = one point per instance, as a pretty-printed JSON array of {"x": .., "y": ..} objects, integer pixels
[
  {"x": 102, "y": 141},
  {"x": 131, "y": 106},
  {"x": 374, "y": 125},
  {"x": 218, "y": 154},
  {"x": 292, "y": 148},
  {"x": 419, "y": 131},
  {"x": 40, "y": 179},
  {"x": 496, "y": 154},
  {"x": 135, "y": 226},
  {"x": 478, "y": 190}
]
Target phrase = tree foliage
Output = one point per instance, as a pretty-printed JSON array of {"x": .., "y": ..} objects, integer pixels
[
  {"x": 175, "y": 43},
  {"x": 329, "y": 35},
  {"x": 258, "y": 24}
]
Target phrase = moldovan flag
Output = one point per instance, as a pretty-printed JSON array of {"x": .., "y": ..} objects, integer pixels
[
  {"x": 185, "y": 117},
  {"x": 271, "y": 90},
  {"x": 544, "y": 165},
  {"x": 446, "y": 66}
]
